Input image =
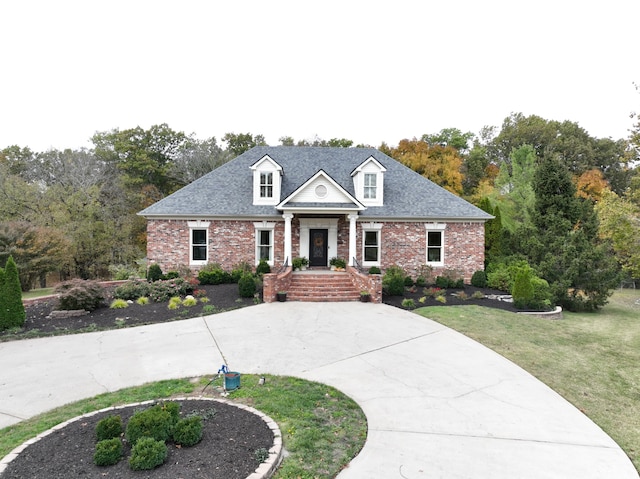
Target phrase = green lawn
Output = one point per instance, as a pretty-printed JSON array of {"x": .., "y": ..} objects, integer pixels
[
  {"x": 591, "y": 359},
  {"x": 36, "y": 293}
]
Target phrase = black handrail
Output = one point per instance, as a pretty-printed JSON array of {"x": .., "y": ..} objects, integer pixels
[
  {"x": 284, "y": 265},
  {"x": 357, "y": 266}
]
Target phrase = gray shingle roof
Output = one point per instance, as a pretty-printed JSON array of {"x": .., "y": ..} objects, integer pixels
[{"x": 227, "y": 191}]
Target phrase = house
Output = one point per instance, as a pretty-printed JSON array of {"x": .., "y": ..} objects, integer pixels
[{"x": 278, "y": 203}]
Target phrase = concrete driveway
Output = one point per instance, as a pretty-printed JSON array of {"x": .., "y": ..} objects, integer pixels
[{"x": 438, "y": 404}]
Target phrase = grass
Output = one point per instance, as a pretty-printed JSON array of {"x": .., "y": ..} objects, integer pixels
[
  {"x": 322, "y": 428},
  {"x": 36, "y": 293},
  {"x": 591, "y": 359}
]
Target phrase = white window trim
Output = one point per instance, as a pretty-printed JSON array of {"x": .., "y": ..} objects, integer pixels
[
  {"x": 198, "y": 225},
  {"x": 377, "y": 227},
  {"x": 267, "y": 165},
  {"x": 369, "y": 166},
  {"x": 435, "y": 227},
  {"x": 264, "y": 226}
]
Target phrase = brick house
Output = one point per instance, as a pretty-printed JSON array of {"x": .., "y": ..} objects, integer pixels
[{"x": 278, "y": 203}]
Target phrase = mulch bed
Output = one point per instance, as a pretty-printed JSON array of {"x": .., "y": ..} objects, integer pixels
[{"x": 227, "y": 450}]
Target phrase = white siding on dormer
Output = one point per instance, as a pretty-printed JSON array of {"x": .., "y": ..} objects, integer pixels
[
  {"x": 266, "y": 166},
  {"x": 369, "y": 167}
]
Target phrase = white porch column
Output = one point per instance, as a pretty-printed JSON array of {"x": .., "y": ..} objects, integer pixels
[
  {"x": 287, "y": 237},
  {"x": 352, "y": 238}
]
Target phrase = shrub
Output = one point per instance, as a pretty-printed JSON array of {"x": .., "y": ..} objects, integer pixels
[
  {"x": 247, "y": 286},
  {"x": 214, "y": 274},
  {"x": 500, "y": 278},
  {"x": 189, "y": 301},
  {"x": 147, "y": 453},
  {"x": 109, "y": 427},
  {"x": 408, "y": 281},
  {"x": 522, "y": 290},
  {"x": 13, "y": 314},
  {"x": 174, "y": 302},
  {"x": 108, "y": 452},
  {"x": 240, "y": 270},
  {"x": 164, "y": 290},
  {"x": 479, "y": 279},
  {"x": 155, "y": 422},
  {"x": 132, "y": 290},
  {"x": 208, "y": 309},
  {"x": 393, "y": 281},
  {"x": 263, "y": 267},
  {"x": 188, "y": 431},
  {"x": 142, "y": 300},
  {"x": 421, "y": 282},
  {"x": 171, "y": 275},
  {"x": 155, "y": 273},
  {"x": 441, "y": 299},
  {"x": 478, "y": 295},
  {"x": 118, "y": 304},
  {"x": 541, "y": 293},
  {"x": 120, "y": 272},
  {"x": 374, "y": 270},
  {"x": 449, "y": 279},
  {"x": 80, "y": 294},
  {"x": 425, "y": 275},
  {"x": 408, "y": 303}
]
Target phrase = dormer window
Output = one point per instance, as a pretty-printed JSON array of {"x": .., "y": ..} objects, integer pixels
[
  {"x": 368, "y": 182},
  {"x": 267, "y": 178},
  {"x": 266, "y": 185},
  {"x": 370, "y": 186}
]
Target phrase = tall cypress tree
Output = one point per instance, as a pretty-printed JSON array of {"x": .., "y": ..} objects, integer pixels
[
  {"x": 3, "y": 308},
  {"x": 14, "y": 313}
]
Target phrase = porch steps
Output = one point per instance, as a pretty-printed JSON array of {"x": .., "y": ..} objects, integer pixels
[{"x": 322, "y": 286}]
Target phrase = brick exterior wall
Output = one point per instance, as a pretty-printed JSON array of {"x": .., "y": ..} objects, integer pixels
[{"x": 403, "y": 243}]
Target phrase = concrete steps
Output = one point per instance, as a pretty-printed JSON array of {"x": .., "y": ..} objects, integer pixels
[{"x": 322, "y": 286}]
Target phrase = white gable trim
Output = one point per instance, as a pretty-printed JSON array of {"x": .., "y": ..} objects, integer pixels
[
  {"x": 318, "y": 189},
  {"x": 368, "y": 182}
]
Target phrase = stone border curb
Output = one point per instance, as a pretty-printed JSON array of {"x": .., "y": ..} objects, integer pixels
[
  {"x": 555, "y": 314},
  {"x": 264, "y": 470}
]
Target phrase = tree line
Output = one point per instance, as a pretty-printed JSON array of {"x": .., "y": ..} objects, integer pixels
[{"x": 554, "y": 189}]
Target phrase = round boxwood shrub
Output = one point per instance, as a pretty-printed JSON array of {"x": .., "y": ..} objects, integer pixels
[
  {"x": 479, "y": 279},
  {"x": 109, "y": 427},
  {"x": 108, "y": 452},
  {"x": 188, "y": 432},
  {"x": 155, "y": 422},
  {"x": 374, "y": 270},
  {"x": 263, "y": 267},
  {"x": 247, "y": 286},
  {"x": 147, "y": 453}
]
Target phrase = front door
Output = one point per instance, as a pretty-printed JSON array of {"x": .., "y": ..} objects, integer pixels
[{"x": 318, "y": 247}]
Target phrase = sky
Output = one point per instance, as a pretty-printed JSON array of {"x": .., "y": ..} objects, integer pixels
[{"x": 370, "y": 71}]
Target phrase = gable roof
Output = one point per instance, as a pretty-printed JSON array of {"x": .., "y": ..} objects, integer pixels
[{"x": 227, "y": 191}]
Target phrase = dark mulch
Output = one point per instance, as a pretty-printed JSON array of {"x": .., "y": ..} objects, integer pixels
[
  {"x": 453, "y": 297},
  {"x": 227, "y": 450}
]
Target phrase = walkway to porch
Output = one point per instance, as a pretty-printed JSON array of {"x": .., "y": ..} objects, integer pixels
[{"x": 322, "y": 285}]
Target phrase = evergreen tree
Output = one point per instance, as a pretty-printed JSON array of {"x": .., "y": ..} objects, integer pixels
[
  {"x": 3, "y": 308},
  {"x": 564, "y": 247},
  {"x": 14, "y": 313}
]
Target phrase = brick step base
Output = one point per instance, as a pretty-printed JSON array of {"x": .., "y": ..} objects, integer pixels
[{"x": 309, "y": 286}]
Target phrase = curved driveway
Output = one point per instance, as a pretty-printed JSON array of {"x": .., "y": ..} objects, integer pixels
[{"x": 438, "y": 404}]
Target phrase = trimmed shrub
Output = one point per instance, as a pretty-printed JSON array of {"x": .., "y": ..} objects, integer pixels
[
  {"x": 374, "y": 270},
  {"x": 147, "y": 453},
  {"x": 80, "y": 294},
  {"x": 479, "y": 279},
  {"x": 155, "y": 273},
  {"x": 393, "y": 281},
  {"x": 188, "y": 432},
  {"x": 13, "y": 314},
  {"x": 247, "y": 286},
  {"x": 109, "y": 428},
  {"x": 263, "y": 267},
  {"x": 108, "y": 452},
  {"x": 171, "y": 275},
  {"x": 408, "y": 281},
  {"x": 155, "y": 422},
  {"x": 164, "y": 290},
  {"x": 132, "y": 290},
  {"x": 214, "y": 274}
]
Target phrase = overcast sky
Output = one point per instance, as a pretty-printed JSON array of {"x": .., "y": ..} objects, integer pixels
[{"x": 369, "y": 71}]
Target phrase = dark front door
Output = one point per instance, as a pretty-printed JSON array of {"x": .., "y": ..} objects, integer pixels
[{"x": 318, "y": 247}]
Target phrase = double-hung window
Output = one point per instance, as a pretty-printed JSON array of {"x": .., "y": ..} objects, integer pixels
[
  {"x": 264, "y": 232},
  {"x": 371, "y": 244},
  {"x": 266, "y": 185},
  {"x": 198, "y": 245},
  {"x": 371, "y": 247},
  {"x": 370, "y": 186},
  {"x": 435, "y": 244}
]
